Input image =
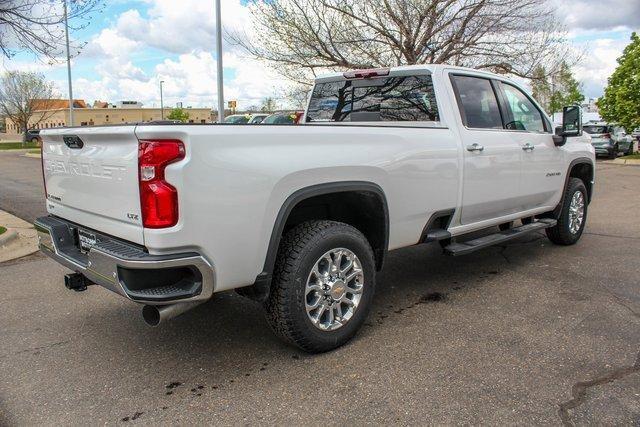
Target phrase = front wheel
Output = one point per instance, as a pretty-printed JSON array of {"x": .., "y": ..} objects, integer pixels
[
  {"x": 573, "y": 215},
  {"x": 323, "y": 285}
]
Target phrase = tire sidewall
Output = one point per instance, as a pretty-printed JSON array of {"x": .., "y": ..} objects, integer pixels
[{"x": 340, "y": 237}]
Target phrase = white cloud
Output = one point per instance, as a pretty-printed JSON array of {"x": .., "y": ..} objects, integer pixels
[
  {"x": 599, "y": 14},
  {"x": 597, "y": 64},
  {"x": 178, "y": 38},
  {"x": 187, "y": 30}
]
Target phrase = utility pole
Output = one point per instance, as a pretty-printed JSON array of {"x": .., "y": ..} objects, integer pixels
[
  {"x": 161, "y": 101},
  {"x": 220, "y": 69},
  {"x": 66, "y": 33}
]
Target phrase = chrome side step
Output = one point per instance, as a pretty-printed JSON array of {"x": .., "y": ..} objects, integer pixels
[{"x": 457, "y": 249}]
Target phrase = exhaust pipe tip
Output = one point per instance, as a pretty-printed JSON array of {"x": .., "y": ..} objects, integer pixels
[{"x": 151, "y": 315}]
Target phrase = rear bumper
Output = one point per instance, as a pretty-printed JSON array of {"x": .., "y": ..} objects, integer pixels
[{"x": 125, "y": 268}]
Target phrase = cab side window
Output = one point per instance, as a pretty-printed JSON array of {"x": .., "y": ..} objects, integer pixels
[
  {"x": 477, "y": 101},
  {"x": 524, "y": 114}
]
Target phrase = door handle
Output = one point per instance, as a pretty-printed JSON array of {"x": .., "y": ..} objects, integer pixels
[
  {"x": 528, "y": 147},
  {"x": 475, "y": 147}
]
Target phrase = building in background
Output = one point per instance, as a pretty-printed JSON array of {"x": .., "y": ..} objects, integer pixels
[
  {"x": 102, "y": 113},
  {"x": 589, "y": 106}
]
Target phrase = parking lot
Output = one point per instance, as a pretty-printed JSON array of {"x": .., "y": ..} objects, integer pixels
[{"x": 527, "y": 333}]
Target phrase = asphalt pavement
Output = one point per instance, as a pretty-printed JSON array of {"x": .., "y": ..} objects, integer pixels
[{"x": 527, "y": 333}]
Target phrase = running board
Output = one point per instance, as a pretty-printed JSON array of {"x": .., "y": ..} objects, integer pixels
[{"x": 456, "y": 249}]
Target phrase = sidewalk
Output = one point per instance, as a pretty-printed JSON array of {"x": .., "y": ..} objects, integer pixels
[
  {"x": 19, "y": 240},
  {"x": 623, "y": 161}
]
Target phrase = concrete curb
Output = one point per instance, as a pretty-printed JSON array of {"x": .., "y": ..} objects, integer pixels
[
  {"x": 7, "y": 236},
  {"x": 33, "y": 156},
  {"x": 623, "y": 161},
  {"x": 23, "y": 240}
]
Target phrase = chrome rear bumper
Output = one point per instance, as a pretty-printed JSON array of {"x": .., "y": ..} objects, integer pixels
[{"x": 125, "y": 268}]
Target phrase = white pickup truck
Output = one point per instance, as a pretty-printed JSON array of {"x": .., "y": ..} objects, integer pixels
[{"x": 302, "y": 217}]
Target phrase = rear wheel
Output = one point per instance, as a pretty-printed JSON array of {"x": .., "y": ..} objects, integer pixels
[
  {"x": 614, "y": 152},
  {"x": 323, "y": 285},
  {"x": 573, "y": 215}
]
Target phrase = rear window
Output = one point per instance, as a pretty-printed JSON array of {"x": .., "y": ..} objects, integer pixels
[
  {"x": 595, "y": 129},
  {"x": 393, "y": 99}
]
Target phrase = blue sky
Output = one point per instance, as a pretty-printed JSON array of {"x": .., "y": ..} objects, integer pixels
[{"x": 133, "y": 44}]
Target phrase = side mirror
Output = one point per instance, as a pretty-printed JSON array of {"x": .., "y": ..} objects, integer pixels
[{"x": 571, "y": 125}]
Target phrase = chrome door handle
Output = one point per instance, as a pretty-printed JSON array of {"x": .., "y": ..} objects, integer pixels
[
  {"x": 528, "y": 147},
  {"x": 475, "y": 147}
]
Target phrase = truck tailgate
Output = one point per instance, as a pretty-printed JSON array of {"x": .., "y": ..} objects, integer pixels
[{"x": 91, "y": 178}]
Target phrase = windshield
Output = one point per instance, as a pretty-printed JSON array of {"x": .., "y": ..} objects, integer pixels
[
  {"x": 257, "y": 119},
  {"x": 279, "y": 119},
  {"x": 400, "y": 99},
  {"x": 595, "y": 129},
  {"x": 237, "y": 119}
]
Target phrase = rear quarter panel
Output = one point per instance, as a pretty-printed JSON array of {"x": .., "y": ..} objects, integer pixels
[{"x": 235, "y": 179}]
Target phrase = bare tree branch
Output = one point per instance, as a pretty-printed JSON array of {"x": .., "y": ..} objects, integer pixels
[
  {"x": 302, "y": 37},
  {"x": 38, "y": 25},
  {"x": 26, "y": 98}
]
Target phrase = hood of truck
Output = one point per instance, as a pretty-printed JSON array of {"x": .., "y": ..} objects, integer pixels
[{"x": 91, "y": 178}]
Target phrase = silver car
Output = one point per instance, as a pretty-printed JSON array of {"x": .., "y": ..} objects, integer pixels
[{"x": 609, "y": 139}]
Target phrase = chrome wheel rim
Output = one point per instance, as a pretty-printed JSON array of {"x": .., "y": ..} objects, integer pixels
[
  {"x": 576, "y": 212},
  {"x": 334, "y": 289}
]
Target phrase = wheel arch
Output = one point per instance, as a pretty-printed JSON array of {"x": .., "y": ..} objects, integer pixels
[
  {"x": 584, "y": 169},
  {"x": 379, "y": 240}
]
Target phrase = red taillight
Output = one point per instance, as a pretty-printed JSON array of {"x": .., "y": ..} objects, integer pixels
[
  {"x": 366, "y": 74},
  {"x": 606, "y": 135},
  {"x": 158, "y": 198}
]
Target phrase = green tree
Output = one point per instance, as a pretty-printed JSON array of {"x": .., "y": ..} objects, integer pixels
[
  {"x": 540, "y": 87},
  {"x": 621, "y": 100},
  {"x": 178, "y": 114},
  {"x": 555, "y": 90},
  {"x": 565, "y": 89}
]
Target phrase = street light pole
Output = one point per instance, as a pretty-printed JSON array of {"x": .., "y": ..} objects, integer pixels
[
  {"x": 66, "y": 33},
  {"x": 161, "y": 101},
  {"x": 219, "y": 62}
]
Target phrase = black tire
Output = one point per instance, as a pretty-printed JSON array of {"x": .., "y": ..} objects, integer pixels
[
  {"x": 561, "y": 234},
  {"x": 299, "y": 250},
  {"x": 35, "y": 140},
  {"x": 614, "y": 152}
]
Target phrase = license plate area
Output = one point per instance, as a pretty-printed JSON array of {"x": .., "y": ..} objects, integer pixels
[{"x": 86, "y": 240}]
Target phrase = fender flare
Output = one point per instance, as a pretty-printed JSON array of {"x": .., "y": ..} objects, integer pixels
[
  {"x": 579, "y": 160},
  {"x": 262, "y": 285}
]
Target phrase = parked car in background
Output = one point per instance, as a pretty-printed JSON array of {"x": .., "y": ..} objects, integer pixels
[
  {"x": 257, "y": 118},
  {"x": 33, "y": 135},
  {"x": 284, "y": 118},
  {"x": 238, "y": 119},
  {"x": 636, "y": 134},
  {"x": 609, "y": 139}
]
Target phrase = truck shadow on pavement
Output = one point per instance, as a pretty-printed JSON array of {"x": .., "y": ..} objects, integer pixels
[{"x": 229, "y": 335}]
